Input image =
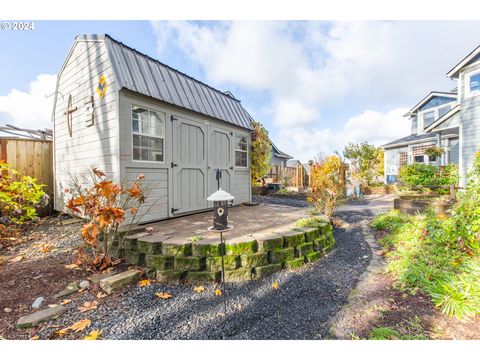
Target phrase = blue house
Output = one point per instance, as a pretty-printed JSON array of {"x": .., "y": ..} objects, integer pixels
[{"x": 450, "y": 120}]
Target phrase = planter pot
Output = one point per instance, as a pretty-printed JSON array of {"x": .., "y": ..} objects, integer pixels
[{"x": 410, "y": 204}]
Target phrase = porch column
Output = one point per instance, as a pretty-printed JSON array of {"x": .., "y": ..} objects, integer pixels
[{"x": 439, "y": 144}]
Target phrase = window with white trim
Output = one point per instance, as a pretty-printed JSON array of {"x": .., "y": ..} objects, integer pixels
[
  {"x": 148, "y": 134},
  {"x": 241, "y": 150},
  {"x": 473, "y": 83}
]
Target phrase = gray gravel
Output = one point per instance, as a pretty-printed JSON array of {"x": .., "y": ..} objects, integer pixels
[{"x": 301, "y": 308}]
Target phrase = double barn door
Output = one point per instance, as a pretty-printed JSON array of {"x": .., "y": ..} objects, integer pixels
[{"x": 198, "y": 151}]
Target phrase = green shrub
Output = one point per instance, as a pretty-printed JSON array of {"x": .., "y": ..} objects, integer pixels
[
  {"x": 20, "y": 196},
  {"x": 390, "y": 220},
  {"x": 429, "y": 175}
]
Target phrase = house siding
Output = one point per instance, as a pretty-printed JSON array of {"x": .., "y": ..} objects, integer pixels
[
  {"x": 470, "y": 120},
  {"x": 89, "y": 146}
]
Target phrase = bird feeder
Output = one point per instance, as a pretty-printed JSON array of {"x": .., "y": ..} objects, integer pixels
[{"x": 220, "y": 200}]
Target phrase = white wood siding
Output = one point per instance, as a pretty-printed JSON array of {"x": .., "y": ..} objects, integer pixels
[{"x": 93, "y": 146}]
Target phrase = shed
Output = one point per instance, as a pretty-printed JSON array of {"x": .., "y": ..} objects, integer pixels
[{"x": 127, "y": 113}]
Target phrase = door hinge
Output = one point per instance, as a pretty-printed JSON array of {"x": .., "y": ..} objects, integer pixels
[
  {"x": 173, "y": 210},
  {"x": 172, "y": 164},
  {"x": 231, "y": 167},
  {"x": 173, "y": 118}
]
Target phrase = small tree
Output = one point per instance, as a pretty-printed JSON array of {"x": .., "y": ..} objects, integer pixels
[
  {"x": 366, "y": 161},
  {"x": 327, "y": 183},
  {"x": 105, "y": 205},
  {"x": 261, "y": 152}
]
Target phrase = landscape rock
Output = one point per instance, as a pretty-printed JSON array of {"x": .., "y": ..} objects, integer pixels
[
  {"x": 33, "y": 319},
  {"x": 97, "y": 277},
  {"x": 84, "y": 284},
  {"x": 115, "y": 282},
  {"x": 70, "y": 289},
  {"x": 38, "y": 302}
]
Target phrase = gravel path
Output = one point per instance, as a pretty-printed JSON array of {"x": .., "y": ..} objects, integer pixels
[{"x": 301, "y": 308}]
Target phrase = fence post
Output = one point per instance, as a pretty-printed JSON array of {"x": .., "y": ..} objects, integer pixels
[{"x": 452, "y": 191}]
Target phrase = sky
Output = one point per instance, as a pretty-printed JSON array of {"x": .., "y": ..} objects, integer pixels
[{"x": 315, "y": 85}]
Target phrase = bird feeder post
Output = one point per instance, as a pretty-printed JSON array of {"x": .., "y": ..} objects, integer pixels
[{"x": 220, "y": 200}]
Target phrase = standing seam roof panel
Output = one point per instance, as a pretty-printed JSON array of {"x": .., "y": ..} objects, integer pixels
[{"x": 147, "y": 76}]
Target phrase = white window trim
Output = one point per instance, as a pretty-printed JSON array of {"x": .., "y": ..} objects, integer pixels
[
  {"x": 421, "y": 120},
  {"x": 138, "y": 133},
  {"x": 467, "y": 76},
  {"x": 235, "y": 149}
]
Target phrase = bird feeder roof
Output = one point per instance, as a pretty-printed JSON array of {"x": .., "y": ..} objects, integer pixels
[{"x": 220, "y": 195}]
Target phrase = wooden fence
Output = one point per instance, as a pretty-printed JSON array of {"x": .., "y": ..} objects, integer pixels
[
  {"x": 30, "y": 157},
  {"x": 289, "y": 176}
]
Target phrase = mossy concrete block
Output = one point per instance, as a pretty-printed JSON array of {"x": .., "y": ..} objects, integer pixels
[
  {"x": 313, "y": 256},
  {"x": 238, "y": 275},
  {"x": 206, "y": 250},
  {"x": 147, "y": 246},
  {"x": 120, "y": 280},
  {"x": 268, "y": 242},
  {"x": 266, "y": 270},
  {"x": 159, "y": 262},
  {"x": 253, "y": 260},
  {"x": 129, "y": 243},
  {"x": 177, "y": 249},
  {"x": 30, "y": 320},
  {"x": 171, "y": 276},
  {"x": 203, "y": 276},
  {"x": 311, "y": 234},
  {"x": 325, "y": 228},
  {"x": 329, "y": 243},
  {"x": 280, "y": 256},
  {"x": 293, "y": 238},
  {"x": 320, "y": 243},
  {"x": 188, "y": 263},
  {"x": 295, "y": 263},
  {"x": 241, "y": 247},
  {"x": 303, "y": 249},
  {"x": 133, "y": 257},
  {"x": 215, "y": 263}
]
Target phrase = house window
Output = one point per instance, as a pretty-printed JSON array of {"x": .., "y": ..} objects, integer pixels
[
  {"x": 443, "y": 110},
  {"x": 418, "y": 159},
  {"x": 432, "y": 159},
  {"x": 241, "y": 151},
  {"x": 148, "y": 134},
  {"x": 428, "y": 118},
  {"x": 474, "y": 83}
]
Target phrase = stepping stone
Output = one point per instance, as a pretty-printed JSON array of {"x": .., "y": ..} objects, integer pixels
[
  {"x": 33, "y": 319},
  {"x": 97, "y": 277},
  {"x": 38, "y": 302},
  {"x": 70, "y": 289},
  {"x": 118, "y": 281}
]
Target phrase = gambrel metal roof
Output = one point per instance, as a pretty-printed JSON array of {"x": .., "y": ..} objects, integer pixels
[{"x": 144, "y": 75}]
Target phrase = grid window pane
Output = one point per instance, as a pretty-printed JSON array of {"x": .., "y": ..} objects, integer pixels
[
  {"x": 443, "y": 110},
  {"x": 241, "y": 158},
  {"x": 148, "y": 128},
  {"x": 241, "y": 142},
  {"x": 428, "y": 118}
]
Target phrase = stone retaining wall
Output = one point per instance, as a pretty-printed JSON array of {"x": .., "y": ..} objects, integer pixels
[{"x": 254, "y": 257}]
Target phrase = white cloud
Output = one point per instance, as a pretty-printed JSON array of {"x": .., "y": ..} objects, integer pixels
[
  {"x": 29, "y": 109},
  {"x": 313, "y": 69},
  {"x": 371, "y": 126}
]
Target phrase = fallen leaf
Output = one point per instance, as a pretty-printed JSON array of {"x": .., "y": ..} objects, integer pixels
[
  {"x": 80, "y": 325},
  {"x": 239, "y": 306},
  {"x": 77, "y": 327},
  {"x": 88, "y": 306},
  {"x": 16, "y": 259},
  {"x": 149, "y": 229},
  {"x": 7, "y": 310},
  {"x": 199, "y": 289},
  {"x": 36, "y": 337},
  {"x": 144, "y": 283},
  {"x": 72, "y": 266},
  {"x": 101, "y": 295},
  {"x": 66, "y": 301},
  {"x": 218, "y": 292},
  {"x": 221, "y": 314},
  {"x": 52, "y": 305},
  {"x": 94, "y": 335},
  {"x": 163, "y": 295},
  {"x": 275, "y": 285},
  {"x": 46, "y": 248}
]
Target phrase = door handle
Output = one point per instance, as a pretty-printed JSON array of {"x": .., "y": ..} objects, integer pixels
[{"x": 231, "y": 167}]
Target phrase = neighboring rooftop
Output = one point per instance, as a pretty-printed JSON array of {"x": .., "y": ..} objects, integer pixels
[
  {"x": 142, "y": 74},
  {"x": 11, "y": 131},
  {"x": 278, "y": 153}
]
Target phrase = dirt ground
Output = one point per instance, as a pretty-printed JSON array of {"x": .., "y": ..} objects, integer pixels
[
  {"x": 34, "y": 266},
  {"x": 380, "y": 304}
]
